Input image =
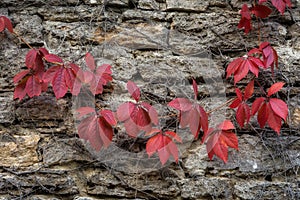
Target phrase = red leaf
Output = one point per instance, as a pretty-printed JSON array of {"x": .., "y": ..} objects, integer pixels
[
  {"x": 43, "y": 51},
  {"x": 274, "y": 121},
  {"x": 104, "y": 73},
  {"x": 195, "y": 88},
  {"x": 5, "y": 23},
  {"x": 181, "y": 104},
  {"x": 163, "y": 154},
  {"x": 249, "y": 90},
  {"x": 239, "y": 94},
  {"x": 70, "y": 76},
  {"x": 77, "y": 86},
  {"x": 106, "y": 131},
  {"x": 52, "y": 58},
  {"x": 254, "y": 64},
  {"x": 174, "y": 136},
  {"x": 245, "y": 12},
  {"x": 90, "y": 62},
  {"x": 226, "y": 125},
  {"x": 84, "y": 111},
  {"x": 279, "y": 107},
  {"x": 131, "y": 128},
  {"x": 137, "y": 117},
  {"x": 194, "y": 122},
  {"x": 124, "y": 111},
  {"x": 219, "y": 141},
  {"x": 31, "y": 58},
  {"x": 246, "y": 24},
  {"x": 230, "y": 139},
  {"x": 96, "y": 80},
  {"x": 154, "y": 143},
  {"x": 235, "y": 103},
  {"x": 270, "y": 57},
  {"x": 50, "y": 73},
  {"x": 89, "y": 130},
  {"x": 89, "y": 77},
  {"x": 215, "y": 147},
  {"x": 109, "y": 116},
  {"x": 59, "y": 83},
  {"x": 20, "y": 91},
  {"x": 196, "y": 118},
  {"x": 8, "y": 24},
  {"x": 173, "y": 150},
  {"x": 39, "y": 66},
  {"x": 2, "y": 24},
  {"x": 134, "y": 90},
  {"x": 184, "y": 118},
  {"x": 96, "y": 130},
  {"x": 257, "y": 104},
  {"x": 281, "y": 4},
  {"x": 140, "y": 116},
  {"x": 152, "y": 113},
  {"x": 254, "y": 51},
  {"x": 20, "y": 75},
  {"x": 164, "y": 146},
  {"x": 33, "y": 86},
  {"x": 233, "y": 66},
  {"x": 261, "y": 11},
  {"x": 203, "y": 119},
  {"x": 275, "y": 88},
  {"x": 243, "y": 114},
  {"x": 263, "y": 114},
  {"x": 241, "y": 66}
]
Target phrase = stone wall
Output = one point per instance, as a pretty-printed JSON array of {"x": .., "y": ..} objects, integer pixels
[{"x": 161, "y": 45}]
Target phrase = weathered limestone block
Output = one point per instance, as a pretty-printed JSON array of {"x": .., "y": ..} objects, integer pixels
[
  {"x": 50, "y": 181},
  {"x": 149, "y": 5},
  {"x": 142, "y": 36},
  {"x": 75, "y": 31},
  {"x": 144, "y": 15},
  {"x": 204, "y": 187},
  {"x": 64, "y": 151},
  {"x": 294, "y": 33},
  {"x": 188, "y": 5},
  {"x": 266, "y": 190},
  {"x": 68, "y": 14},
  {"x": 6, "y": 108},
  {"x": 24, "y": 4},
  {"x": 29, "y": 27},
  {"x": 18, "y": 150},
  {"x": 42, "y": 108},
  {"x": 100, "y": 182}
]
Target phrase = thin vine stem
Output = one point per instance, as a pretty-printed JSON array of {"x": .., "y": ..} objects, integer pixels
[
  {"x": 221, "y": 106},
  {"x": 23, "y": 40}
]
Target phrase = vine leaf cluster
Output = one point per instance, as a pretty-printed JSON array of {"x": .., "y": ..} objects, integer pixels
[{"x": 141, "y": 118}]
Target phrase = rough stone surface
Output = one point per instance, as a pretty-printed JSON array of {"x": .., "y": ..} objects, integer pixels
[
  {"x": 18, "y": 150},
  {"x": 161, "y": 45}
]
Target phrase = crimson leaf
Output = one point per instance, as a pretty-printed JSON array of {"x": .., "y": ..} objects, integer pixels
[
  {"x": 261, "y": 11},
  {"x": 245, "y": 21},
  {"x": 5, "y": 23},
  {"x": 241, "y": 66},
  {"x": 163, "y": 145},
  {"x": 218, "y": 140},
  {"x": 96, "y": 128},
  {"x": 137, "y": 117},
  {"x": 191, "y": 114},
  {"x": 270, "y": 110},
  {"x": 134, "y": 90}
]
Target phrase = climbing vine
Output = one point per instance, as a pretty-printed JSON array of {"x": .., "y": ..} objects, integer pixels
[{"x": 141, "y": 118}]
